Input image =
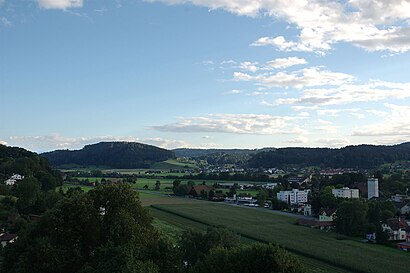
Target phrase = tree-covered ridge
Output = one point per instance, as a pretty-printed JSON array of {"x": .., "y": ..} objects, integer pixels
[
  {"x": 188, "y": 152},
  {"x": 361, "y": 156},
  {"x": 34, "y": 167},
  {"x": 121, "y": 155}
]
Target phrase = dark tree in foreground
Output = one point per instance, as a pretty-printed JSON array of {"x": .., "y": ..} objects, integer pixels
[
  {"x": 351, "y": 217},
  {"x": 104, "y": 230},
  {"x": 195, "y": 245},
  {"x": 244, "y": 259}
]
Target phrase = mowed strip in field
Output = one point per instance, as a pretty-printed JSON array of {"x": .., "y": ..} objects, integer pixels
[{"x": 347, "y": 254}]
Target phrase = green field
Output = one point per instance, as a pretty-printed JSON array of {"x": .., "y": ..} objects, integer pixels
[
  {"x": 315, "y": 246},
  {"x": 166, "y": 184},
  {"x": 173, "y": 164}
]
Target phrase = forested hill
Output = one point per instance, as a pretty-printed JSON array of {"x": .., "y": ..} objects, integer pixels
[
  {"x": 187, "y": 152},
  {"x": 361, "y": 156},
  {"x": 119, "y": 155},
  {"x": 15, "y": 160}
]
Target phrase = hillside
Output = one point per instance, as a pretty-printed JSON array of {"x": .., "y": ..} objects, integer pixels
[
  {"x": 238, "y": 157},
  {"x": 361, "y": 156},
  {"x": 15, "y": 160},
  {"x": 187, "y": 152},
  {"x": 118, "y": 155}
]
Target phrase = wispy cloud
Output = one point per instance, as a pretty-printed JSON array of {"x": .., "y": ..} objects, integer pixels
[
  {"x": 60, "y": 4},
  {"x": 381, "y": 26},
  {"x": 333, "y": 142},
  {"x": 348, "y": 93},
  {"x": 254, "y": 124},
  {"x": 396, "y": 123},
  {"x": 298, "y": 140},
  {"x": 56, "y": 141},
  {"x": 306, "y": 77},
  {"x": 233, "y": 92}
]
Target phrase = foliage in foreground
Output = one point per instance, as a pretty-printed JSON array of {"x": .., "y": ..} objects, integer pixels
[
  {"x": 106, "y": 230},
  {"x": 256, "y": 258}
]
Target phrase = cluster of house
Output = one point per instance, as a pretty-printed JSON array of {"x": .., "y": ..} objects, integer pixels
[{"x": 13, "y": 179}]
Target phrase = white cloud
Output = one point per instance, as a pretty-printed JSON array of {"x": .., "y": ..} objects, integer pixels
[
  {"x": 3, "y": 142},
  {"x": 166, "y": 143},
  {"x": 54, "y": 142},
  {"x": 377, "y": 113},
  {"x": 298, "y": 140},
  {"x": 307, "y": 77},
  {"x": 348, "y": 93},
  {"x": 304, "y": 114},
  {"x": 286, "y": 62},
  {"x": 372, "y": 25},
  {"x": 234, "y": 123},
  {"x": 334, "y": 142},
  {"x": 233, "y": 92},
  {"x": 4, "y": 21},
  {"x": 249, "y": 66},
  {"x": 396, "y": 123},
  {"x": 60, "y": 4},
  {"x": 324, "y": 122}
]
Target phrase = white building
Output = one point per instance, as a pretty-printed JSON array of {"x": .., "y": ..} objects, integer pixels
[
  {"x": 294, "y": 196},
  {"x": 372, "y": 188},
  {"x": 269, "y": 186},
  {"x": 345, "y": 192},
  {"x": 13, "y": 179}
]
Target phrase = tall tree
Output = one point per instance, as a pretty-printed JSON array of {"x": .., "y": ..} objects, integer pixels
[
  {"x": 244, "y": 259},
  {"x": 351, "y": 217}
]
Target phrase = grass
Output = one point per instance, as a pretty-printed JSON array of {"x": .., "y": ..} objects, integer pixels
[
  {"x": 65, "y": 187},
  {"x": 167, "y": 230},
  {"x": 173, "y": 164},
  {"x": 153, "y": 198},
  {"x": 314, "y": 245},
  {"x": 174, "y": 225}
]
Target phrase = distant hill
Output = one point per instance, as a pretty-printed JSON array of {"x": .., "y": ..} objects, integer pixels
[
  {"x": 187, "y": 152},
  {"x": 15, "y": 160},
  {"x": 118, "y": 155},
  {"x": 361, "y": 156},
  {"x": 220, "y": 157}
]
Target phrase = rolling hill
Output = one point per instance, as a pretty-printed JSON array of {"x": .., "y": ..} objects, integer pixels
[
  {"x": 118, "y": 155},
  {"x": 360, "y": 156}
]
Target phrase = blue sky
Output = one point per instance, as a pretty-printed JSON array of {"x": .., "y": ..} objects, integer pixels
[{"x": 203, "y": 73}]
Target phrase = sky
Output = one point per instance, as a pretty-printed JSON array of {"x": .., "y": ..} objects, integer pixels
[{"x": 204, "y": 73}]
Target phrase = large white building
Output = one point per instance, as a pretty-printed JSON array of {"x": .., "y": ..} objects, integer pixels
[
  {"x": 294, "y": 196},
  {"x": 372, "y": 188},
  {"x": 345, "y": 192}
]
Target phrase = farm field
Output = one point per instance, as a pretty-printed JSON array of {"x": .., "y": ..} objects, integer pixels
[
  {"x": 333, "y": 250},
  {"x": 166, "y": 184},
  {"x": 173, "y": 164},
  {"x": 171, "y": 226}
]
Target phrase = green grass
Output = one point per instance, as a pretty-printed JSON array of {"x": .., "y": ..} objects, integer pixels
[
  {"x": 173, "y": 164},
  {"x": 168, "y": 183},
  {"x": 175, "y": 224},
  {"x": 314, "y": 245},
  {"x": 65, "y": 187},
  {"x": 167, "y": 230}
]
